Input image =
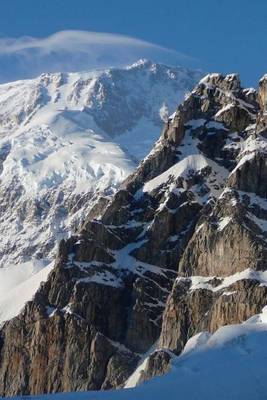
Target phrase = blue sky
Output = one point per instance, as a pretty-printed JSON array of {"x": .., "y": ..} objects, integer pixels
[{"x": 221, "y": 35}]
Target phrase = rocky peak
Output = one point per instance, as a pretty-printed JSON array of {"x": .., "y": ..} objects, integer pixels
[
  {"x": 230, "y": 82},
  {"x": 219, "y": 98}
]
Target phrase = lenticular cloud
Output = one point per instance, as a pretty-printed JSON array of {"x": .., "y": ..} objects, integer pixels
[{"x": 68, "y": 51}]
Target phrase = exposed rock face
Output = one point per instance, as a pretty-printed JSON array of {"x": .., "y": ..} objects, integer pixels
[
  {"x": 263, "y": 94},
  {"x": 179, "y": 249},
  {"x": 190, "y": 310},
  {"x": 159, "y": 363},
  {"x": 227, "y": 241}
]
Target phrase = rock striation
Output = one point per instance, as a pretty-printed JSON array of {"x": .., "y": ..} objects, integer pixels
[{"x": 180, "y": 248}]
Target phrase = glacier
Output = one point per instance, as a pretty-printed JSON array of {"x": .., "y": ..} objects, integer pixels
[{"x": 67, "y": 139}]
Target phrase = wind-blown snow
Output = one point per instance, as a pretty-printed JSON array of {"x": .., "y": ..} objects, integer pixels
[{"x": 74, "y": 50}]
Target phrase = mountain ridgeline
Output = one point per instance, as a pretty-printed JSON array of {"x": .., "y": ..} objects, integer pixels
[{"x": 179, "y": 249}]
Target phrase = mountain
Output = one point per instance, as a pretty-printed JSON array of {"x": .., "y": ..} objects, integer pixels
[
  {"x": 66, "y": 139},
  {"x": 178, "y": 250},
  {"x": 229, "y": 364}
]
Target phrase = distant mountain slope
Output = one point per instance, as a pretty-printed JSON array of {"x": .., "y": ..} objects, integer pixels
[{"x": 66, "y": 138}]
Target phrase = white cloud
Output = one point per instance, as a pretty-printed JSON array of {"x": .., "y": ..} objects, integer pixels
[
  {"x": 70, "y": 40},
  {"x": 76, "y": 50}
]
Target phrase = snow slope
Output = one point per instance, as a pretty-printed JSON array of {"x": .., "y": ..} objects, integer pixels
[
  {"x": 227, "y": 365},
  {"x": 18, "y": 285},
  {"x": 65, "y": 139}
]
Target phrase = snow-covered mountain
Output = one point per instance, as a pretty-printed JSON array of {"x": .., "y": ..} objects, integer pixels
[
  {"x": 180, "y": 249},
  {"x": 66, "y": 138},
  {"x": 165, "y": 276}
]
